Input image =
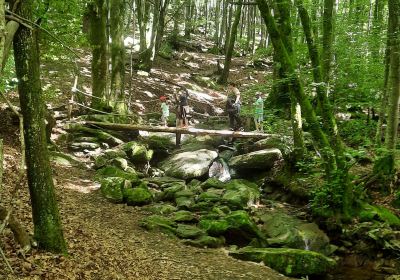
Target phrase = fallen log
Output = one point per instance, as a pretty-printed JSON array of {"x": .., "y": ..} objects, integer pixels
[{"x": 180, "y": 130}]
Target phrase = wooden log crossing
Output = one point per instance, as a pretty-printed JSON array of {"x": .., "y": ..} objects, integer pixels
[{"x": 179, "y": 130}]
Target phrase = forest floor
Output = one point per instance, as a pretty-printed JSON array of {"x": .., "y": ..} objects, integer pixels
[{"x": 104, "y": 240}]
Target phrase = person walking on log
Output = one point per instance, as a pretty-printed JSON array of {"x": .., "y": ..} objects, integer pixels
[{"x": 233, "y": 108}]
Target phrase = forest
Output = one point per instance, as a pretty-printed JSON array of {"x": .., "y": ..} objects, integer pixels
[{"x": 199, "y": 139}]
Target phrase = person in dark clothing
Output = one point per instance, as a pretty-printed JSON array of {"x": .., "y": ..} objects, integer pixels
[
  {"x": 183, "y": 109},
  {"x": 233, "y": 112}
]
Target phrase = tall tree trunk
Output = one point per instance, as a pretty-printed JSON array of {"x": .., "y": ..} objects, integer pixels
[
  {"x": 393, "y": 108},
  {"x": 327, "y": 39},
  {"x": 228, "y": 29},
  {"x": 161, "y": 25},
  {"x": 46, "y": 219},
  {"x": 223, "y": 23},
  {"x": 142, "y": 22},
  {"x": 228, "y": 57},
  {"x": 2, "y": 32},
  {"x": 384, "y": 98},
  {"x": 117, "y": 12},
  {"x": 188, "y": 19},
  {"x": 318, "y": 135},
  {"x": 98, "y": 41},
  {"x": 283, "y": 15},
  {"x": 217, "y": 33}
]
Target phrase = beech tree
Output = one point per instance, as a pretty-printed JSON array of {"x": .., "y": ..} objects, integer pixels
[{"x": 47, "y": 224}]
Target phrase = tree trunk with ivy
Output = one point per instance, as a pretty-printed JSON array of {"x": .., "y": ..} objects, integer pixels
[
  {"x": 318, "y": 135},
  {"x": 282, "y": 15},
  {"x": 388, "y": 159},
  {"x": 46, "y": 219},
  {"x": 223, "y": 79},
  {"x": 98, "y": 42},
  {"x": 117, "y": 96}
]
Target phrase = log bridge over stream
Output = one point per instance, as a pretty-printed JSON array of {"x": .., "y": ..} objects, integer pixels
[{"x": 179, "y": 130}]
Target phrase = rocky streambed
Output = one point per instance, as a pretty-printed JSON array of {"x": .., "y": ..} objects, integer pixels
[{"x": 210, "y": 193}]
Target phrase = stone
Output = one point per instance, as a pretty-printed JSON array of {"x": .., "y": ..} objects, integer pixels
[
  {"x": 184, "y": 202},
  {"x": 291, "y": 262},
  {"x": 164, "y": 181},
  {"x": 258, "y": 160},
  {"x": 111, "y": 188},
  {"x": 283, "y": 143},
  {"x": 211, "y": 195},
  {"x": 162, "y": 208},
  {"x": 188, "y": 231},
  {"x": 283, "y": 230},
  {"x": 120, "y": 163},
  {"x": 219, "y": 170},
  {"x": 380, "y": 213},
  {"x": 168, "y": 194},
  {"x": 183, "y": 216},
  {"x": 189, "y": 165},
  {"x": 137, "y": 196},
  {"x": 240, "y": 194},
  {"x": 206, "y": 241},
  {"x": 212, "y": 183},
  {"x": 81, "y": 146},
  {"x": 156, "y": 222},
  {"x": 112, "y": 171},
  {"x": 137, "y": 153}
]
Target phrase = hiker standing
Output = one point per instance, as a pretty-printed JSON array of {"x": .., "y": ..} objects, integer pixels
[
  {"x": 259, "y": 112},
  {"x": 164, "y": 110},
  {"x": 183, "y": 109},
  {"x": 233, "y": 112}
]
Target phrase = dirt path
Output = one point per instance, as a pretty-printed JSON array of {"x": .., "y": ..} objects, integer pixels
[{"x": 106, "y": 242}]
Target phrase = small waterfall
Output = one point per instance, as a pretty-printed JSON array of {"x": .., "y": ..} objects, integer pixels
[{"x": 220, "y": 170}]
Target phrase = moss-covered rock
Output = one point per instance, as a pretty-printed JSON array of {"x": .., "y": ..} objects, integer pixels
[
  {"x": 137, "y": 153},
  {"x": 188, "y": 231},
  {"x": 240, "y": 194},
  {"x": 120, "y": 163},
  {"x": 168, "y": 194},
  {"x": 161, "y": 208},
  {"x": 212, "y": 183},
  {"x": 111, "y": 188},
  {"x": 259, "y": 160},
  {"x": 375, "y": 212},
  {"x": 184, "y": 216},
  {"x": 283, "y": 230},
  {"x": 291, "y": 262},
  {"x": 156, "y": 222},
  {"x": 211, "y": 195},
  {"x": 81, "y": 146},
  {"x": 112, "y": 171},
  {"x": 137, "y": 196},
  {"x": 214, "y": 227},
  {"x": 184, "y": 202},
  {"x": 188, "y": 165},
  {"x": 206, "y": 241},
  {"x": 165, "y": 182}
]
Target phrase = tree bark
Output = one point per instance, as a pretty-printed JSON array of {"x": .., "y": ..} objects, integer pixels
[
  {"x": 193, "y": 131},
  {"x": 393, "y": 108},
  {"x": 232, "y": 39},
  {"x": 2, "y": 33},
  {"x": 318, "y": 135},
  {"x": 98, "y": 41},
  {"x": 117, "y": 11},
  {"x": 47, "y": 224},
  {"x": 327, "y": 39},
  {"x": 11, "y": 29}
]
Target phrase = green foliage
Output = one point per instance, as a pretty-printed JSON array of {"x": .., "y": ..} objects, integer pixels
[
  {"x": 357, "y": 132},
  {"x": 328, "y": 200}
]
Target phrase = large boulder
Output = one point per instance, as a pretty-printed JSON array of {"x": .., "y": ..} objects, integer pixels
[
  {"x": 283, "y": 230},
  {"x": 283, "y": 143},
  {"x": 240, "y": 194},
  {"x": 137, "y": 196},
  {"x": 259, "y": 160},
  {"x": 137, "y": 153},
  {"x": 112, "y": 171},
  {"x": 188, "y": 165},
  {"x": 291, "y": 262},
  {"x": 112, "y": 188},
  {"x": 237, "y": 227}
]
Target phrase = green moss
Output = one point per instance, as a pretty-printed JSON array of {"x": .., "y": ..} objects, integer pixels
[
  {"x": 206, "y": 242},
  {"x": 214, "y": 227},
  {"x": 183, "y": 216},
  {"x": 291, "y": 262},
  {"x": 111, "y": 188},
  {"x": 156, "y": 222},
  {"x": 373, "y": 212},
  {"x": 137, "y": 196},
  {"x": 163, "y": 209},
  {"x": 112, "y": 171},
  {"x": 188, "y": 231}
]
